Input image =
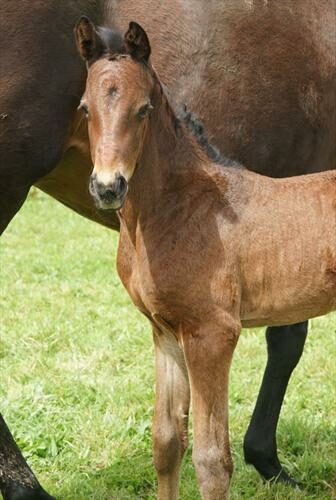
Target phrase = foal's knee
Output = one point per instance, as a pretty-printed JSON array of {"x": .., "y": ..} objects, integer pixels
[
  {"x": 213, "y": 466},
  {"x": 170, "y": 441},
  {"x": 168, "y": 451}
]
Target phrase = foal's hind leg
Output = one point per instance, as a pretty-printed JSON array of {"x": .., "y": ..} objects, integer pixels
[
  {"x": 285, "y": 346},
  {"x": 208, "y": 354},
  {"x": 170, "y": 429}
]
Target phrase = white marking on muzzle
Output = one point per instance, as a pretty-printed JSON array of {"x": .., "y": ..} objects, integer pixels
[{"x": 105, "y": 177}]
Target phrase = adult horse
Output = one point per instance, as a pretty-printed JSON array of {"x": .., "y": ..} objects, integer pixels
[{"x": 261, "y": 75}]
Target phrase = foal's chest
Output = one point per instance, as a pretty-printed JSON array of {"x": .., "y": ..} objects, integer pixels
[
  {"x": 136, "y": 273},
  {"x": 163, "y": 278}
]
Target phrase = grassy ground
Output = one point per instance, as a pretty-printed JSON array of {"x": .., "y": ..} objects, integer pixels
[{"x": 77, "y": 373}]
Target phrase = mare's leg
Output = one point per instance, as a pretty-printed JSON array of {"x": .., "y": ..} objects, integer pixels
[
  {"x": 284, "y": 346},
  {"x": 208, "y": 353},
  {"x": 11, "y": 201},
  {"x": 170, "y": 428},
  {"x": 17, "y": 481}
]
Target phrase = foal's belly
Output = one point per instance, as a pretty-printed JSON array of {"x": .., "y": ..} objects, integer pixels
[
  {"x": 280, "y": 318},
  {"x": 291, "y": 305},
  {"x": 291, "y": 277}
]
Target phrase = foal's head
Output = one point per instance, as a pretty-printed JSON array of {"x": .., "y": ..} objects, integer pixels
[{"x": 117, "y": 103}]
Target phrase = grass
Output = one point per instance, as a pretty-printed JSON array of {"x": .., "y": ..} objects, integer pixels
[{"x": 77, "y": 377}]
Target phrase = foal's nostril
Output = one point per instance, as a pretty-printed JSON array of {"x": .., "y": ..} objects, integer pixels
[
  {"x": 120, "y": 185},
  {"x": 92, "y": 185}
]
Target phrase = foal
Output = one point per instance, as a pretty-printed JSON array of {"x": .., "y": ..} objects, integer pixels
[{"x": 190, "y": 252}]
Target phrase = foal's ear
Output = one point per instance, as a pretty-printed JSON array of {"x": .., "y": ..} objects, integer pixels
[
  {"x": 136, "y": 42},
  {"x": 89, "y": 44}
]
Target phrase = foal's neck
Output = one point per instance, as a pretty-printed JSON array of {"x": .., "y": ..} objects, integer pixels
[{"x": 172, "y": 167}]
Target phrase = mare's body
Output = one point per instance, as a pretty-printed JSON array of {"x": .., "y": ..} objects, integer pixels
[
  {"x": 272, "y": 111},
  {"x": 205, "y": 247}
]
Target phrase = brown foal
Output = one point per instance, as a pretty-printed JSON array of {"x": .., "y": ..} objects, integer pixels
[{"x": 206, "y": 247}]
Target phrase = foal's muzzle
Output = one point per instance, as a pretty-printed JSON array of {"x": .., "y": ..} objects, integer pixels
[{"x": 108, "y": 196}]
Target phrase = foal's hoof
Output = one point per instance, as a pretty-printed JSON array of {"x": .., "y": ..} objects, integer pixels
[{"x": 18, "y": 492}]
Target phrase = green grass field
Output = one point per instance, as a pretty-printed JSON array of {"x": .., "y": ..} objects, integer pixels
[{"x": 77, "y": 377}]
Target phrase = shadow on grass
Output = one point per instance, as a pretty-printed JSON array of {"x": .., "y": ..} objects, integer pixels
[{"x": 307, "y": 453}]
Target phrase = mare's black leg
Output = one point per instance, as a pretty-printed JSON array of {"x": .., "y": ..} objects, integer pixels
[
  {"x": 11, "y": 201},
  {"x": 17, "y": 481},
  {"x": 284, "y": 347}
]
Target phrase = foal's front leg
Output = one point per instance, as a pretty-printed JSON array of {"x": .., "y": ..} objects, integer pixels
[
  {"x": 170, "y": 429},
  {"x": 208, "y": 354}
]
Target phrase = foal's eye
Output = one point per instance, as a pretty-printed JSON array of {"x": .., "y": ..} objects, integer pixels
[{"x": 144, "y": 110}]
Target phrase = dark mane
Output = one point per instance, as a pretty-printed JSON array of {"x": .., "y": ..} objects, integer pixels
[{"x": 196, "y": 126}]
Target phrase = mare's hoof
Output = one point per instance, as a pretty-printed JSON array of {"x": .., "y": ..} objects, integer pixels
[
  {"x": 284, "y": 478},
  {"x": 269, "y": 468},
  {"x": 18, "y": 492}
]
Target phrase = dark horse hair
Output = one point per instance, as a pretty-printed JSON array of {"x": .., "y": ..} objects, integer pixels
[{"x": 196, "y": 126}]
